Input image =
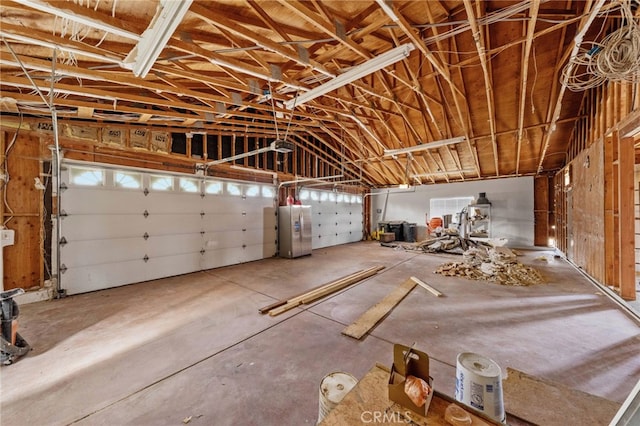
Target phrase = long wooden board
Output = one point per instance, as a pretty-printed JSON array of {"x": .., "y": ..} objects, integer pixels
[
  {"x": 325, "y": 290},
  {"x": 427, "y": 287},
  {"x": 299, "y": 296},
  {"x": 369, "y": 319}
]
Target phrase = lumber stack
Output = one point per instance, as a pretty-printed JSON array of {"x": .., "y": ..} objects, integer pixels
[
  {"x": 496, "y": 264},
  {"x": 317, "y": 293}
]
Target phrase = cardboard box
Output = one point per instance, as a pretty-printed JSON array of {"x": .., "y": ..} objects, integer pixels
[
  {"x": 409, "y": 362},
  {"x": 387, "y": 237}
]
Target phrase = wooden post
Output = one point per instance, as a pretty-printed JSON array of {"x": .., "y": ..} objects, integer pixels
[
  {"x": 609, "y": 229},
  {"x": 626, "y": 219},
  {"x": 541, "y": 210},
  {"x": 3, "y": 136}
]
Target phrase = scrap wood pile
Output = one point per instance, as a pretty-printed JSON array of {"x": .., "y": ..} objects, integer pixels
[
  {"x": 496, "y": 264},
  {"x": 449, "y": 243}
]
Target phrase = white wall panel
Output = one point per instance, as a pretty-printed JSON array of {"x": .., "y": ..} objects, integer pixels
[{"x": 511, "y": 206}]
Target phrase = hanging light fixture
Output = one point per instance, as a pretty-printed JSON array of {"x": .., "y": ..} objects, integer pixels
[
  {"x": 381, "y": 61},
  {"x": 424, "y": 146},
  {"x": 155, "y": 37}
]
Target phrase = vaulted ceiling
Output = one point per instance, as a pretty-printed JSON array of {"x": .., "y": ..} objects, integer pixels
[{"x": 487, "y": 71}]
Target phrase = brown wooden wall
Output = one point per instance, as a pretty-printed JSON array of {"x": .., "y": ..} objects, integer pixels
[
  {"x": 594, "y": 212},
  {"x": 542, "y": 210},
  {"x": 587, "y": 205},
  {"x": 23, "y": 212}
]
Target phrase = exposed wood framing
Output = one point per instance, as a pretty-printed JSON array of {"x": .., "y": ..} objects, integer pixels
[
  {"x": 488, "y": 83},
  {"x": 524, "y": 77},
  {"x": 626, "y": 217}
]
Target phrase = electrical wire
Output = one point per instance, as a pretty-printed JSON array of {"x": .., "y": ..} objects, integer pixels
[
  {"x": 616, "y": 58},
  {"x": 5, "y": 170}
]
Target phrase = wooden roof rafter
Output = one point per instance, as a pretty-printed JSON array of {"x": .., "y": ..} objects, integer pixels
[
  {"x": 480, "y": 43},
  {"x": 526, "y": 52}
]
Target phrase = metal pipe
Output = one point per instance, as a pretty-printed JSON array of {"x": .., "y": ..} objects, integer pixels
[
  {"x": 56, "y": 173},
  {"x": 55, "y": 154},
  {"x": 384, "y": 211}
]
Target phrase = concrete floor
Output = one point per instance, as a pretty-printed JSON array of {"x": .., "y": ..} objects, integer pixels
[{"x": 195, "y": 346}]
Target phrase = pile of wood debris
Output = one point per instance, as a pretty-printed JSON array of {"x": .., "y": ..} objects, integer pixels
[
  {"x": 448, "y": 243},
  {"x": 496, "y": 264}
]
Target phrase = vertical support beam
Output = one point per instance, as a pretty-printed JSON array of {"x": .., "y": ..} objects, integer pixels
[
  {"x": 541, "y": 210},
  {"x": 3, "y": 137},
  {"x": 626, "y": 218},
  {"x": 609, "y": 228}
]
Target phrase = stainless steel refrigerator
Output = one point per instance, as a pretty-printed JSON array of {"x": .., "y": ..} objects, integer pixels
[{"x": 294, "y": 230}]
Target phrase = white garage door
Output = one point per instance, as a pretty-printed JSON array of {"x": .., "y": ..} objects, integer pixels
[
  {"x": 337, "y": 217},
  {"x": 121, "y": 226}
]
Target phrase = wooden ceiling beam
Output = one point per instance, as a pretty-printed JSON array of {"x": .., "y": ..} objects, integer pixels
[
  {"x": 423, "y": 98},
  {"x": 268, "y": 21},
  {"x": 99, "y": 20},
  {"x": 37, "y": 37},
  {"x": 339, "y": 141},
  {"x": 218, "y": 20},
  {"x": 312, "y": 18},
  {"x": 118, "y": 79},
  {"x": 465, "y": 117},
  {"x": 488, "y": 84},
  {"x": 585, "y": 23},
  {"x": 531, "y": 27},
  {"x": 415, "y": 38}
]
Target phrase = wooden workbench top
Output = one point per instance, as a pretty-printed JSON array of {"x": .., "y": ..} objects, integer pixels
[{"x": 368, "y": 402}]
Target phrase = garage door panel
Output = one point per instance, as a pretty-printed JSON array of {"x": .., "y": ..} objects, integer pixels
[
  {"x": 222, "y": 222},
  {"x": 222, "y": 257},
  {"x": 256, "y": 252},
  {"x": 77, "y": 200},
  {"x": 257, "y": 236},
  {"x": 168, "y": 224},
  {"x": 96, "y": 252},
  {"x": 222, "y": 240},
  {"x": 177, "y": 244},
  {"x": 87, "y": 227},
  {"x": 167, "y": 266},
  {"x": 173, "y": 203},
  {"x": 106, "y": 225},
  {"x": 98, "y": 277}
]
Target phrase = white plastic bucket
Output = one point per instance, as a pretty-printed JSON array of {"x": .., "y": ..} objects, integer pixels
[
  {"x": 479, "y": 384},
  {"x": 333, "y": 388}
]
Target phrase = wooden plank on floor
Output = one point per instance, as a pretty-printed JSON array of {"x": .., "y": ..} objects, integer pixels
[
  {"x": 546, "y": 403},
  {"x": 369, "y": 319},
  {"x": 427, "y": 287},
  {"x": 299, "y": 296},
  {"x": 325, "y": 290}
]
